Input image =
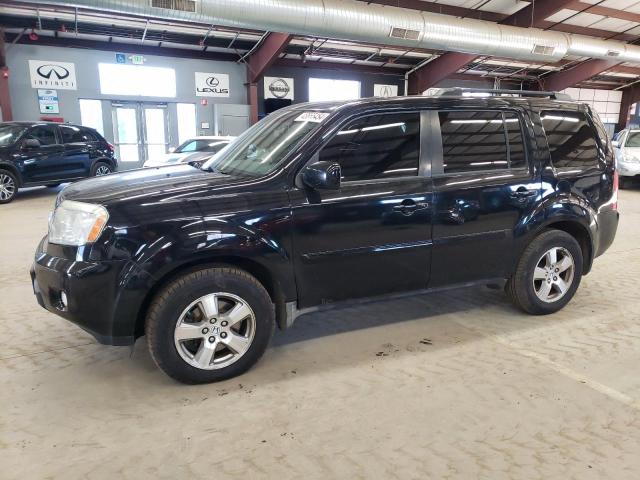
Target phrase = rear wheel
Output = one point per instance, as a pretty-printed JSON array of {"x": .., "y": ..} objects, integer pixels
[
  {"x": 101, "y": 168},
  {"x": 8, "y": 186},
  {"x": 210, "y": 325},
  {"x": 548, "y": 273}
]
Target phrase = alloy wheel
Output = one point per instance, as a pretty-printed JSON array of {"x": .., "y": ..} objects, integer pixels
[
  {"x": 553, "y": 274},
  {"x": 102, "y": 170},
  {"x": 7, "y": 187},
  {"x": 215, "y": 331}
]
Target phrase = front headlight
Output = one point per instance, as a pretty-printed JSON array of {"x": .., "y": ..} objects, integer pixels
[{"x": 77, "y": 223}]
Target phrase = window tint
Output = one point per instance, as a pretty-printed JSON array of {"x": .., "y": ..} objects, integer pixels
[
  {"x": 517, "y": 154},
  {"x": 72, "y": 134},
  {"x": 45, "y": 134},
  {"x": 571, "y": 139},
  {"x": 377, "y": 146}
]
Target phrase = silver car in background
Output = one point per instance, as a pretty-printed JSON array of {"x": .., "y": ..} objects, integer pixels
[
  {"x": 196, "y": 149},
  {"x": 626, "y": 144}
]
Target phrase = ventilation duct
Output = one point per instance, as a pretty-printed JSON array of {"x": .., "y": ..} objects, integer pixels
[{"x": 359, "y": 21}]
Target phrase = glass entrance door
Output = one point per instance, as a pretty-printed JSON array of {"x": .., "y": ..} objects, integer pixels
[{"x": 141, "y": 132}]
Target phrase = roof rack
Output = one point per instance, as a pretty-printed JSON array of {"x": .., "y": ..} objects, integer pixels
[{"x": 486, "y": 92}]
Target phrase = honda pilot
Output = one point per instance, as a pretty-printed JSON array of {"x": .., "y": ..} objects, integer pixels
[{"x": 324, "y": 203}]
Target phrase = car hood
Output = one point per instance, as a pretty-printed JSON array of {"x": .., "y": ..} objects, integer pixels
[
  {"x": 175, "y": 158},
  {"x": 178, "y": 183}
]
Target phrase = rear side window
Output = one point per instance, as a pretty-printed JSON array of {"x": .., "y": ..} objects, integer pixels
[
  {"x": 376, "y": 146},
  {"x": 572, "y": 142},
  {"x": 481, "y": 140},
  {"x": 72, "y": 134}
]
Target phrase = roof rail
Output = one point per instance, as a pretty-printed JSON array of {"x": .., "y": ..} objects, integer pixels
[{"x": 486, "y": 92}]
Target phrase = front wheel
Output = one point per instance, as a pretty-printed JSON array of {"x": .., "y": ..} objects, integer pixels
[
  {"x": 210, "y": 325},
  {"x": 548, "y": 273},
  {"x": 8, "y": 186}
]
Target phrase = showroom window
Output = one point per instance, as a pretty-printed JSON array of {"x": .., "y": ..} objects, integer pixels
[
  {"x": 91, "y": 114},
  {"x": 186, "y": 122},
  {"x": 377, "y": 146},
  {"x": 571, "y": 140},
  {"x": 475, "y": 141},
  {"x": 327, "y": 89},
  {"x": 136, "y": 80}
]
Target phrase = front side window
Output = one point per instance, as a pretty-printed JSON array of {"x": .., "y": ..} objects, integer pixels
[
  {"x": 210, "y": 145},
  {"x": 571, "y": 139},
  {"x": 376, "y": 146},
  {"x": 45, "y": 134}
]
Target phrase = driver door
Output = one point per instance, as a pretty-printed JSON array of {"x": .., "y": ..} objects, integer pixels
[{"x": 372, "y": 236}]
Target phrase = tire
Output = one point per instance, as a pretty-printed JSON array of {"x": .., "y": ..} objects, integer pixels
[
  {"x": 526, "y": 292},
  {"x": 101, "y": 168},
  {"x": 181, "y": 325},
  {"x": 8, "y": 186},
  {"x": 624, "y": 182}
]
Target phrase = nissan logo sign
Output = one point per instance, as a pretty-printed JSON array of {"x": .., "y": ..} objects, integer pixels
[
  {"x": 279, "y": 88},
  {"x": 47, "y": 71}
]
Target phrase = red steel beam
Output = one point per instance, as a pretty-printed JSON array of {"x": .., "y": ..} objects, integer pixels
[
  {"x": 5, "y": 98},
  {"x": 259, "y": 60},
  {"x": 449, "y": 63},
  {"x": 566, "y": 78},
  {"x": 630, "y": 95}
]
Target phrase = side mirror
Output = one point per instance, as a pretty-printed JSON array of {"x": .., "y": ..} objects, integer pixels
[
  {"x": 616, "y": 144},
  {"x": 322, "y": 175},
  {"x": 31, "y": 143},
  {"x": 172, "y": 149}
]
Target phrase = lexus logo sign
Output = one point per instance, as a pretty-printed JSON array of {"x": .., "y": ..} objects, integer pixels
[
  {"x": 56, "y": 75},
  {"x": 278, "y": 87},
  {"x": 212, "y": 84}
]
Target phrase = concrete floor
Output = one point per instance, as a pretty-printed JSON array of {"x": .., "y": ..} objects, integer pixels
[{"x": 450, "y": 385}]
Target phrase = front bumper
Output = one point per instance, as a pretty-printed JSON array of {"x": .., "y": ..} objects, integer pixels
[{"x": 101, "y": 297}]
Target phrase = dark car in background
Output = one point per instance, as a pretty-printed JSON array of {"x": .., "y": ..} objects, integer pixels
[
  {"x": 46, "y": 153},
  {"x": 326, "y": 202}
]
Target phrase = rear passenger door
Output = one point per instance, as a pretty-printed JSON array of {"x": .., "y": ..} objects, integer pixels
[
  {"x": 78, "y": 150},
  {"x": 484, "y": 186}
]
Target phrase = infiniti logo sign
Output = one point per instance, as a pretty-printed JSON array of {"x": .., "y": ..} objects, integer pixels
[
  {"x": 46, "y": 71},
  {"x": 47, "y": 74}
]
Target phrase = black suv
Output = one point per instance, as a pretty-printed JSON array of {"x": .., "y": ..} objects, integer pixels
[
  {"x": 326, "y": 202},
  {"x": 45, "y": 153}
]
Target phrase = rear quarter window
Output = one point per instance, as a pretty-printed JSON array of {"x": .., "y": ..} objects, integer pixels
[{"x": 572, "y": 139}]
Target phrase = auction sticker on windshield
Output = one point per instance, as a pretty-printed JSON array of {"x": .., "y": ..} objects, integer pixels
[{"x": 315, "y": 117}]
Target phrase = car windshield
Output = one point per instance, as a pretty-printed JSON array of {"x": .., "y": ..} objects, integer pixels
[
  {"x": 259, "y": 150},
  {"x": 633, "y": 139},
  {"x": 202, "y": 145},
  {"x": 10, "y": 133}
]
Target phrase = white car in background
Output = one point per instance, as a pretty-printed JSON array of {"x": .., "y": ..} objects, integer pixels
[
  {"x": 626, "y": 145},
  {"x": 197, "y": 149}
]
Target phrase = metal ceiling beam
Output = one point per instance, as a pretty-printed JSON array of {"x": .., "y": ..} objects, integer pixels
[
  {"x": 259, "y": 60},
  {"x": 583, "y": 71},
  {"x": 630, "y": 96},
  {"x": 449, "y": 63}
]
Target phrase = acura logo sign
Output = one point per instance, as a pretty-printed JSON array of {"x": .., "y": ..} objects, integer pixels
[
  {"x": 57, "y": 71},
  {"x": 386, "y": 91},
  {"x": 279, "y": 88}
]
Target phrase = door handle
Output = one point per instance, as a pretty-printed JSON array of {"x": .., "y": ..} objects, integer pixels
[
  {"x": 523, "y": 193},
  {"x": 409, "y": 207}
]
